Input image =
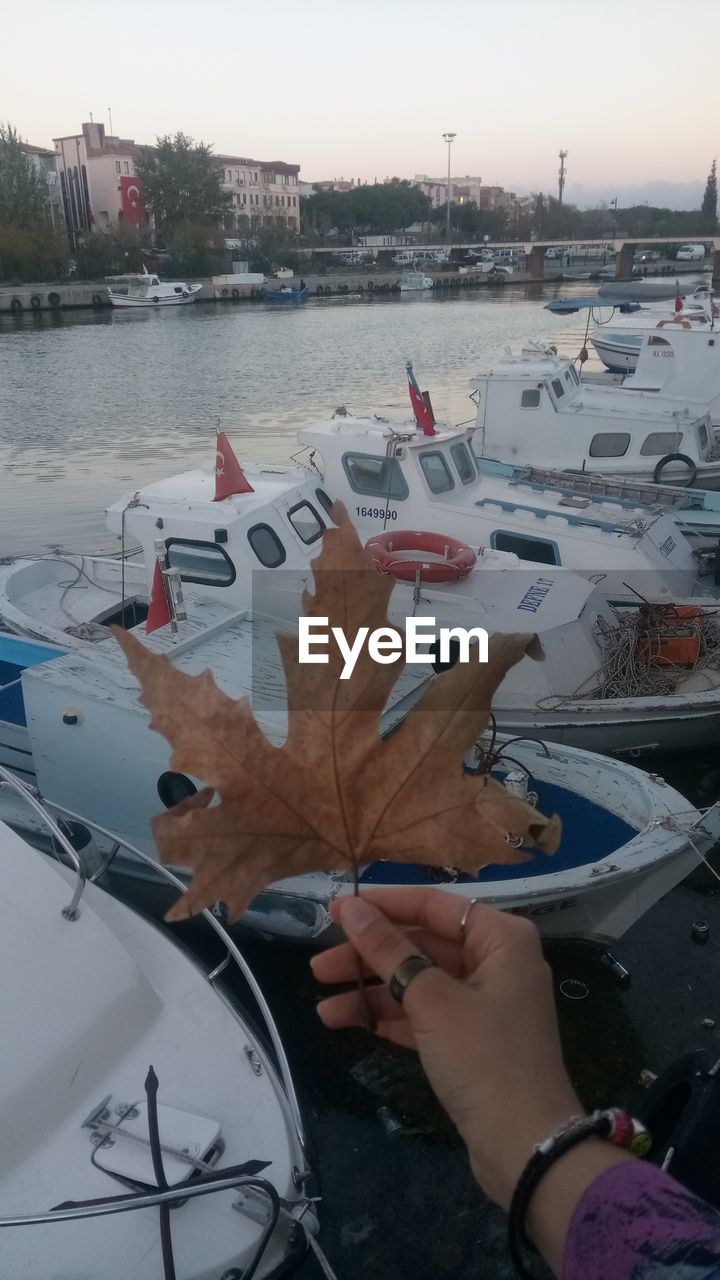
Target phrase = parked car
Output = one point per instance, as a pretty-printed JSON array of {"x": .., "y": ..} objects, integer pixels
[
  {"x": 556, "y": 251},
  {"x": 405, "y": 258},
  {"x": 691, "y": 253},
  {"x": 646, "y": 255},
  {"x": 505, "y": 256}
]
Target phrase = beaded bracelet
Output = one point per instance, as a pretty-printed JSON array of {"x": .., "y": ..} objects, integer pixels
[{"x": 613, "y": 1125}]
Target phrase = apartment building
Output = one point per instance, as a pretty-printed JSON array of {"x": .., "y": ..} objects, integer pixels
[
  {"x": 100, "y": 188},
  {"x": 264, "y": 193},
  {"x": 98, "y": 185},
  {"x": 463, "y": 191}
]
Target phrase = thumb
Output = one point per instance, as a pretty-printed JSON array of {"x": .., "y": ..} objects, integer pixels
[{"x": 376, "y": 939}]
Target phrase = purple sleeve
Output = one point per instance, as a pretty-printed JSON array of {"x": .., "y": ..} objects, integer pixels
[{"x": 636, "y": 1223}]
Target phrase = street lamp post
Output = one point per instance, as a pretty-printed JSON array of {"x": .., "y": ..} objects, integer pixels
[
  {"x": 449, "y": 139},
  {"x": 613, "y": 206}
]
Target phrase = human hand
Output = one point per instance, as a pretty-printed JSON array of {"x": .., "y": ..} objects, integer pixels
[{"x": 483, "y": 1021}]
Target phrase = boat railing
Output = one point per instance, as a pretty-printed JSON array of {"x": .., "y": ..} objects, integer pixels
[{"x": 72, "y": 912}]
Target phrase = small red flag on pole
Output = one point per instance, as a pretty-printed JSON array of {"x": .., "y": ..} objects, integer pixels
[
  {"x": 158, "y": 614},
  {"x": 229, "y": 475},
  {"x": 678, "y": 299},
  {"x": 423, "y": 415}
]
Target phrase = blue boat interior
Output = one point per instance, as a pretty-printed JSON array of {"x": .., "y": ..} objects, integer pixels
[
  {"x": 590, "y": 834},
  {"x": 16, "y": 655}
]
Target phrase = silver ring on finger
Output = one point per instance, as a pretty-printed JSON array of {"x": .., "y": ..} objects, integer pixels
[
  {"x": 466, "y": 915},
  {"x": 404, "y": 974}
]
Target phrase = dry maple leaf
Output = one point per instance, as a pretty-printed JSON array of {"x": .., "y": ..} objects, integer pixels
[{"x": 334, "y": 794}]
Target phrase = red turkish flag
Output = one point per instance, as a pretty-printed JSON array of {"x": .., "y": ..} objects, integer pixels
[
  {"x": 229, "y": 475},
  {"x": 158, "y": 614},
  {"x": 133, "y": 209}
]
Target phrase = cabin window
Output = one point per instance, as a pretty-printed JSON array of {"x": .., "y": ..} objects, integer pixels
[
  {"x": 661, "y": 442},
  {"x": 530, "y": 399},
  {"x": 436, "y": 471},
  {"x": 558, "y": 388},
  {"x": 306, "y": 522},
  {"x": 117, "y": 166},
  {"x": 377, "y": 475},
  {"x": 325, "y": 501},
  {"x": 525, "y": 546},
  {"x": 573, "y": 371},
  {"x": 267, "y": 546},
  {"x": 203, "y": 562},
  {"x": 703, "y": 435},
  {"x": 173, "y": 788},
  {"x": 655, "y": 341},
  {"x": 610, "y": 444},
  {"x": 567, "y": 376},
  {"x": 463, "y": 462},
  {"x": 178, "y": 288}
]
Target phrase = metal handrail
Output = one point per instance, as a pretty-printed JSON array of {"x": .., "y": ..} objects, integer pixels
[
  {"x": 142, "y": 1200},
  {"x": 229, "y": 943},
  {"x": 70, "y": 912}
]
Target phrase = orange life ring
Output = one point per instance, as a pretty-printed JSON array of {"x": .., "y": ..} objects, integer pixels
[
  {"x": 457, "y": 557},
  {"x": 675, "y": 320}
]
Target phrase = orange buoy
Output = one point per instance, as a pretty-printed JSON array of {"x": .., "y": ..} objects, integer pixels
[{"x": 456, "y": 558}]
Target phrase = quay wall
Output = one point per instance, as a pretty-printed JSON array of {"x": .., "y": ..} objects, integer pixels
[{"x": 69, "y": 295}]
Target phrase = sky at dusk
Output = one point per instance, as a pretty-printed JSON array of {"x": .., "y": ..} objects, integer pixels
[{"x": 366, "y": 90}]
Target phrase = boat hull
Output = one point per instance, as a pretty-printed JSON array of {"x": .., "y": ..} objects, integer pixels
[
  {"x": 127, "y": 303},
  {"x": 618, "y": 357}
]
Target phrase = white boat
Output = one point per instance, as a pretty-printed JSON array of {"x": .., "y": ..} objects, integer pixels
[
  {"x": 619, "y": 339},
  {"x": 145, "y": 289},
  {"x": 131, "y": 1085},
  {"x": 392, "y": 476},
  {"x": 415, "y": 282},
  {"x": 534, "y": 409},
  {"x": 628, "y": 838}
]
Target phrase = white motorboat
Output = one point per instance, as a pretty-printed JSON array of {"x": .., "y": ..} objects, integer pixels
[
  {"x": 627, "y": 836},
  {"x": 146, "y": 289},
  {"x": 415, "y": 282},
  {"x": 619, "y": 339},
  {"x": 390, "y": 476},
  {"x": 131, "y": 1085},
  {"x": 633, "y": 680},
  {"x": 533, "y": 409}
]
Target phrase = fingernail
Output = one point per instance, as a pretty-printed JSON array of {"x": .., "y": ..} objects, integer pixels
[{"x": 358, "y": 914}]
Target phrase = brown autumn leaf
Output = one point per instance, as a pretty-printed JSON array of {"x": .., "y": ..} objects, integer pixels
[{"x": 334, "y": 794}]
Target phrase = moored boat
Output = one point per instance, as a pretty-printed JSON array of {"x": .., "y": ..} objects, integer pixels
[
  {"x": 287, "y": 294},
  {"x": 130, "y": 1085},
  {"x": 415, "y": 282},
  {"x": 146, "y": 289},
  {"x": 534, "y": 409}
]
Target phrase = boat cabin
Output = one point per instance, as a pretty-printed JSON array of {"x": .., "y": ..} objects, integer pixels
[
  {"x": 390, "y": 475},
  {"x": 217, "y": 546},
  {"x": 682, "y": 364},
  {"x": 534, "y": 409}
]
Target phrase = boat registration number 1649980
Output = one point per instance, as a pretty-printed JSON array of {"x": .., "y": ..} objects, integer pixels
[{"x": 377, "y": 513}]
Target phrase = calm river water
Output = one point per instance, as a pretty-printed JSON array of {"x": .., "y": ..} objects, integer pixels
[{"x": 94, "y": 404}]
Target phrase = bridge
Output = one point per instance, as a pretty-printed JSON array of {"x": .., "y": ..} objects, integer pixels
[{"x": 535, "y": 250}]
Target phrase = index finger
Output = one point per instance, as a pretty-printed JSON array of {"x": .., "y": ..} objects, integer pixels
[{"x": 442, "y": 913}]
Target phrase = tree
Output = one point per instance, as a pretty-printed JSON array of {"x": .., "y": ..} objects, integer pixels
[
  {"x": 709, "y": 204},
  {"x": 23, "y": 191},
  {"x": 377, "y": 208},
  {"x": 182, "y": 185}
]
